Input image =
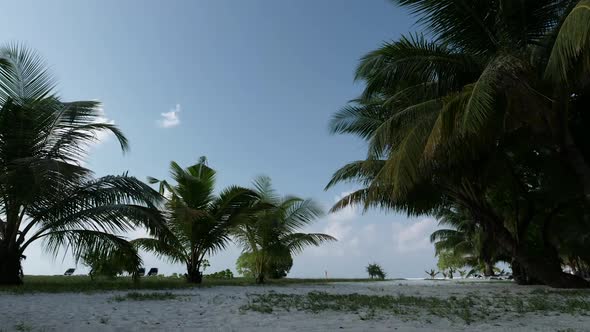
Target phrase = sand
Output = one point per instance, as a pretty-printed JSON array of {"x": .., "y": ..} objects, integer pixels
[{"x": 218, "y": 309}]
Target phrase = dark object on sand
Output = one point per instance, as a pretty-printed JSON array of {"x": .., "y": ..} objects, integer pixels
[
  {"x": 153, "y": 272},
  {"x": 69, "y": 272}
]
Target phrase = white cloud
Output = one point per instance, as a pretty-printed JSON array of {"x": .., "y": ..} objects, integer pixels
[
  {"x": 341, "y": 225},
  {"x": 401, "y": 245},
  {"x": 415, "y": 236},
  {"x": 103, "y": 135},
  {"x": 170, "y": 119}
]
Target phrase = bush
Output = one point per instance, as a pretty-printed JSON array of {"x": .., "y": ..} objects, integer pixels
[
  {"x": 225, "y": 274},
  {"x": 245, "y": 265},
  {"x": 277, "y": 268}
]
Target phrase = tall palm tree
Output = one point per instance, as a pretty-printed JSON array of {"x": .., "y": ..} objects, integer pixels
[
  {"x": 271, "y": 234},
  {"x": 45, "y": 192},
  {"x": 200, "y": 221},
  {"x": 433, "y": 107},
  {"x": 494, "y": 66}
]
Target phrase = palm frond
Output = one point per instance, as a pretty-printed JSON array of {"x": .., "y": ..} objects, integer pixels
[
  {"x": 24, "y": 75},
  {"x": 296, "y": 242},
  {"x": 171, "y": 251},
  {"x": 82, "y": 241},
  {"x": 572, "y": 45},
  {"x": 361, "y": 171}
]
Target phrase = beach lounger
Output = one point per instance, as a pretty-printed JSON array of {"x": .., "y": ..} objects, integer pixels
[
  {"x": 153, "y": 272},
  {"x": 69, "y": 272}
]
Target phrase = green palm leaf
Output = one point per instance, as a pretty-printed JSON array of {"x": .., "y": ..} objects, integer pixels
[{"x": 572, "y": 45}]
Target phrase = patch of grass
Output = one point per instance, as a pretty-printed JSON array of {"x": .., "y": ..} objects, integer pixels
[
  {"x": 23, "y": 327},
  {"x": 562, "y": 292},
  {"x": 259, "y": 307},
  {"x": 135, "y": 296},
  {"x": 466, "y": 309},
  {"x": 63, "y": 284}
]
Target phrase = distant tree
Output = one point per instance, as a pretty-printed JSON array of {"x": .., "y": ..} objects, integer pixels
[
  {"x": 375, "y": 271},
  {"x": 246, "y": 265},
  {"x": 449, "y": 261},
  {"x": 205, "y": 264},
  {"x": 451, "y": 271},
  {"x": 432, "y": 273},
  {"x": 224, "y": 274}
]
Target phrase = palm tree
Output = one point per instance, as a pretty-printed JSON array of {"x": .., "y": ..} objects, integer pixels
[
  {"x": 432, "y": 273},
  {"x": 45, "y": 192},
  {"x": 432, "y": 108},
  {"x": 375, "y": 271},
  {"x": 271, "y": 233},
  {"x": 200, "y": 221},
  {"x": 466, "y": 240}
]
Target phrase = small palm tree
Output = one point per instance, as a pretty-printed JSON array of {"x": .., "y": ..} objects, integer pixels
[
  {"x": 199, "y": 221},
  {"x": 375, "y": 271},
  {"x": 432, "y": 273},
  {"x": 45, "y": 192},
  {"x": 451, "y": 271},
  {"x": 270, "y": 236}
]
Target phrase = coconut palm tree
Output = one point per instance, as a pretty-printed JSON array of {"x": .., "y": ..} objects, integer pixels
[
  {"x": 271, "y": 235},
  {"x": 483, "y": 67},
  {"x": 200, "y": 221},
  {"x": 45, "y": 191},
  {"x": 375, "y": 271},
  {"x": 437, "y": 109},
  {"x": 432, "y": 273}
]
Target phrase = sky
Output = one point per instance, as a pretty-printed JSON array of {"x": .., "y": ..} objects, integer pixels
[{"x": 249, "y": 84}]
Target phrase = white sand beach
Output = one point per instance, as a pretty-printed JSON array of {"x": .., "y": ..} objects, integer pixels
[{"x": 222, "y": 308}]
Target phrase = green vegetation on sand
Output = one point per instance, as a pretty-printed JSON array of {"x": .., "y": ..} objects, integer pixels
[
  {"x": 63, "y": 284},
  {"x": 467, "y": 309}
]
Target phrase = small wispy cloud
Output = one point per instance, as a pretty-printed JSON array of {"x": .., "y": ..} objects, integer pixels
[
  {"x": 103, "y": 135},
  {"x": 170, "y": 119}
]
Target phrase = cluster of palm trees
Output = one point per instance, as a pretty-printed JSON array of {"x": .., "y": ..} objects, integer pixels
[
  {"x": 480, "y": 119},
  {"x": 201, "y": 223},
  {"x": 48, "y": 195}
]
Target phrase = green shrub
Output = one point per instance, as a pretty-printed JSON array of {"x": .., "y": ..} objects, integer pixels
[{"x": 225, "y": 274}]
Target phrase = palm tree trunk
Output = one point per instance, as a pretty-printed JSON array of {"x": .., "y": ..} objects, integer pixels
[
  {"x": 542, "y": 265},
  {"x": 10, "y": 267},
  {"x": 558, "y": 122},
  {"x": 194, "y": 275},
  {"x": 488, "y": 269},
  {"x": 547, "y": 269}
]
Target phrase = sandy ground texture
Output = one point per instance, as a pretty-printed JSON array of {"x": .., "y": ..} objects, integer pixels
[{"x": 229, "y": 308}]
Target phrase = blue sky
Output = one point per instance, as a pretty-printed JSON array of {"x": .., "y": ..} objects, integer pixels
[{"x": 249, "y": 84}]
